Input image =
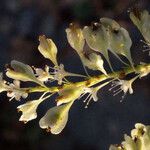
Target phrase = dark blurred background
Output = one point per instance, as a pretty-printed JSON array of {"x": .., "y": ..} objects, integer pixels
[{"x": 104, "y": 122}]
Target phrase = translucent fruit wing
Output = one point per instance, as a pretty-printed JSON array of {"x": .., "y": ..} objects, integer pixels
[
  {"x": 121, "y": 43},
  {"x": 28, "y": 110},
  {"x": 109, "y": 23},
  {"x": 129, "y": 144},
  {"x": 21, "y": 67},
  {"x": 141, "y": 19},
  {"x": 94, "y": 62},
  {"x": 21, "y": 71},
  {"x": 146, "y": 26},
  {"x": 69, "y": 93},
  {"x": 119, "y": 39},
  {"x": 97, "y": 39},
  {"x": 48, "y": 49},
  {"x": 55, "y": 118},
  {"x": 139, "y": 139},
  {"x": 135, "y": 20},
  {"x": 75, "y": 37}
]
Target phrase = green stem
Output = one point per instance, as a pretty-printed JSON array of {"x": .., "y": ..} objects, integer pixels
[{"x": 93, "y": 80}]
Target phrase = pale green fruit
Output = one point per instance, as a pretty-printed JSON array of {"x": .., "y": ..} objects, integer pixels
[
  {"x": 142, "y": 20},
  {"x": 69, "y": 93},
  {"x": 29, "y": 110},
  {"x": 109, "y": 24},
  {"x": 139, "y": 140},
  {"x": 48, "y": 49},
  {"x": 97, "y": 39},
  {"x": 55, "y": 118},
  {"x": 119, "y": 39},
  {"x": 22, "y": 72},
  {"x": 129, "y": 143},
  {"x": 75, "y": 37},
  {"x": 94, "y": 61},
  {"x": 3, "y": 86}
]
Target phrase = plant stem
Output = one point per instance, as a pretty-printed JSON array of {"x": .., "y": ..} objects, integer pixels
[{"x": 90, "y": 81}]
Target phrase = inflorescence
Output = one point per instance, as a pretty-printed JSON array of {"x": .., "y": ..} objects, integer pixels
[{"x": 92, "y": 44}]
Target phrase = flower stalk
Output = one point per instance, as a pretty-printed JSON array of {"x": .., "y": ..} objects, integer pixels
[{"x": 90, "y": 81}]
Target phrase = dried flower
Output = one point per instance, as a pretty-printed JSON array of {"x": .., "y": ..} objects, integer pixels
[
  {"x": 55, "y": 118},
  {"x": 48, "y": 49},
  {"x": 59, "y": 73}
]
